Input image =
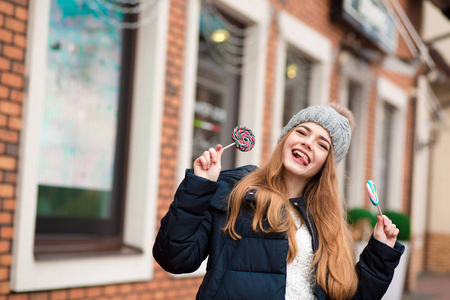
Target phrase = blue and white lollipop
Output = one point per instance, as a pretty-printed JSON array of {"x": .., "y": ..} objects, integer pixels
[{"x": 373, "y": 196}]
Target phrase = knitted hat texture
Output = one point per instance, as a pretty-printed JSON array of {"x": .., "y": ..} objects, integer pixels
[{"x": 337, "y": 125}]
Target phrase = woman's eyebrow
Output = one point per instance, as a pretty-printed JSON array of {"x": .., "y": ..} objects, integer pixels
[{"x": 320, "y": 136}]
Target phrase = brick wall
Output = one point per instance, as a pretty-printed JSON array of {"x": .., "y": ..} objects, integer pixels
[
  {"x": 438, "y": 256},
  {"x": 13, "y": 22}
]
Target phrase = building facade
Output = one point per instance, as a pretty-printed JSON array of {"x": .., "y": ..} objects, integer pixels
[{"x": 104, "y": 104}]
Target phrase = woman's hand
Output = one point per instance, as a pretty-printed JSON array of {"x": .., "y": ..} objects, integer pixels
[
  {"x": 385, "y": 231},
  {"x": 208, "y": 165}
]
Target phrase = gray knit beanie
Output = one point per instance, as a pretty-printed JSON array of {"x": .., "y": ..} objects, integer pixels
[{"x": 336, "y": 124}]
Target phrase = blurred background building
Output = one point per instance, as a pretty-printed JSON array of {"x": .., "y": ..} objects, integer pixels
[{"x": 105, "y": 103}]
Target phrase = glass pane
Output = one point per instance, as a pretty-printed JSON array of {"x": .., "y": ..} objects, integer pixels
[
  {"x": 354, "y": 100},
  {"x": 386, "y": 149},
  {"x": 79, "y": 125},
  {"x": 297, "y": 83},
  {"x": 218, "y": 83}
]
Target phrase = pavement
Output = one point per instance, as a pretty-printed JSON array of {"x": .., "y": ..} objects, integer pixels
[{"x": 430, "y": 286}]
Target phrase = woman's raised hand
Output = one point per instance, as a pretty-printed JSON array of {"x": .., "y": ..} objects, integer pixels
[
  {"x": 385, "y": 231},
  {"x": 208, "y": 165}
]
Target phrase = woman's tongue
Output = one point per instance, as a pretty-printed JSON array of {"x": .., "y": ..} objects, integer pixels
[{"x": 297, "y": 154}]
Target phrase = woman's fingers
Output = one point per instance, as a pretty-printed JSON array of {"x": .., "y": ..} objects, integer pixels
[{"x": 211, "y": 156}]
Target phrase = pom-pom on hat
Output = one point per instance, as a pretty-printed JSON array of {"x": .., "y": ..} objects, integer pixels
[{"x": 336, "y": 124}]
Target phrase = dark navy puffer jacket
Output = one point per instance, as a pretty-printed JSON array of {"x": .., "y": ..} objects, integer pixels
[{"x": 253, "y": 267}]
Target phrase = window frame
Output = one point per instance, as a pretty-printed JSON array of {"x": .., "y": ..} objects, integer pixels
[
  {"x": 314, "y": 46},
  {"x": 355, "y": 70},
  {"x": 29, "y": 274},
  {"x": 66, "y": 244},
  {"x": 389, "y": 92}
]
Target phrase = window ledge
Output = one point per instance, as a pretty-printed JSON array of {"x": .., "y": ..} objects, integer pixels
[{"x": 123, "y": 251}]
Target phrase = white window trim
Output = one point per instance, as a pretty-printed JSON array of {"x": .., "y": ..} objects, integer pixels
[
  {"x": 315, "y": 46},
  {"x": 29, "y": 274},
  {"x": 252, "y": 82},
  {"x": 354, "y": 70},
  {"x": 389, "y": 92}
]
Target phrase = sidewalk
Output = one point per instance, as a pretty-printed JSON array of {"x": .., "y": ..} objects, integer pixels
[{"x": 431, "y": 286}]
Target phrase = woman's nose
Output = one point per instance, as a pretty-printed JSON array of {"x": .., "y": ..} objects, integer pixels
[{"x": 306, "y": 143}]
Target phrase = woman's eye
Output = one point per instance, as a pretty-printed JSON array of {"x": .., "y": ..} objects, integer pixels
[
  {"x": 323, "y": 146},
  {"x": 301, "y": 132}
]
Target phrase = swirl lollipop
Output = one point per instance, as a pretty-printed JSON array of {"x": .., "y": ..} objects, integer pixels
[
  {"x": 373, "y": 196},
  {"x": 243, "y": 138}
]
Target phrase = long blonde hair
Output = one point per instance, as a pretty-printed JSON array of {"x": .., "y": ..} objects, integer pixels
[{"x": 334, "y": 259}]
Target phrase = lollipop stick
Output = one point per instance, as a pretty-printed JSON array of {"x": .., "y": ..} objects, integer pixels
[
  {"x": 379, "y": 210},
  {"x": 228, "y": 146}
]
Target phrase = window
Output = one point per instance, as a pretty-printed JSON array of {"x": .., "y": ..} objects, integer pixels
[
  {"x": 351, "y": 161},
  {"x": 387, "y": 119},
  {"x": 297, "y": 83},
  {"x": 84, "y": 131},
  {"x": 30, "y": 272},
  {"x": 389, "y": 143},
  {"x": 220, "y": 54}
]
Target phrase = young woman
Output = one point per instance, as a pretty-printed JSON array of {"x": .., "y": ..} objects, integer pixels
[{"x": 278, "y": 232}]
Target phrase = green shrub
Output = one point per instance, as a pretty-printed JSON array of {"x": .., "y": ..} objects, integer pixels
[
  {"x": 402, "y": 222},
  {"x": 355, "y": 214}
]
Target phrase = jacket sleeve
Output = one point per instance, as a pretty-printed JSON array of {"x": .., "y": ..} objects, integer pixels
[
  {"x": 375, "y": 269},
  {"x": 182, "y": 241}
]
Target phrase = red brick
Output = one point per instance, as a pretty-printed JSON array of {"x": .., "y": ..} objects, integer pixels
[
  {"x": 20, "y": 40},
  {"x": 7, "y": 8},
  {"x": 9, "y": 204},
  {"x": 4, "y": 64},
  {"x": 12, "y": 80},
  {"x": 110, "y": 289},
  {"x": 4, "y": 274},
  {"x": 3, "y": 120},
  {"x": 13, "y": 52},
  {"x": 58, "y": 295},
  {"x": 21, "y": 2},
  {"x": 93, "y": 292},
  {"x": 76, "y": 293},
  {"x": 5, "y": 246},
  {"x": 18, "y": 297},
  {"x": 5, "y": 218},
  {"x": 5, "y": 260},
  {"x": 21, "y": 13},
  {"x": 18, "y": 68},
  {"x": 6, "y": 35},
  {"x": 4, "y": 91},
  {"x": 6, "y": 190},
  {"x": 15, "y": 123},
  {"x": 39, "y": 296},
  {"x": 9, "y": 136},
  {"x": 7, "y": 163},
  {"x": 6, "y": 232},
  {"x": 10, "y": 177},
  {"x": 125, "y": 288},
  {"x": 2, "y": 148},
  {"x": 16, "y": 95},
  {"x": 10, "y": 108},
  {"x": 4, "y": 286},
  {"x": 2, "y": 20},
  {"x": 15, "y": 25}
]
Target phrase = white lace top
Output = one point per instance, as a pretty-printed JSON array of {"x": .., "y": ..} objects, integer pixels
[{"x": 300, "y": 281}]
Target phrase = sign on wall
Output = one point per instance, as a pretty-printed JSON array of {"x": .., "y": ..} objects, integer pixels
[{"x": 372, "y": 19}]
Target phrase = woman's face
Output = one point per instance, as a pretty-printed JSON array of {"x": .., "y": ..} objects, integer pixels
[{"x": 306, "y": 150}]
